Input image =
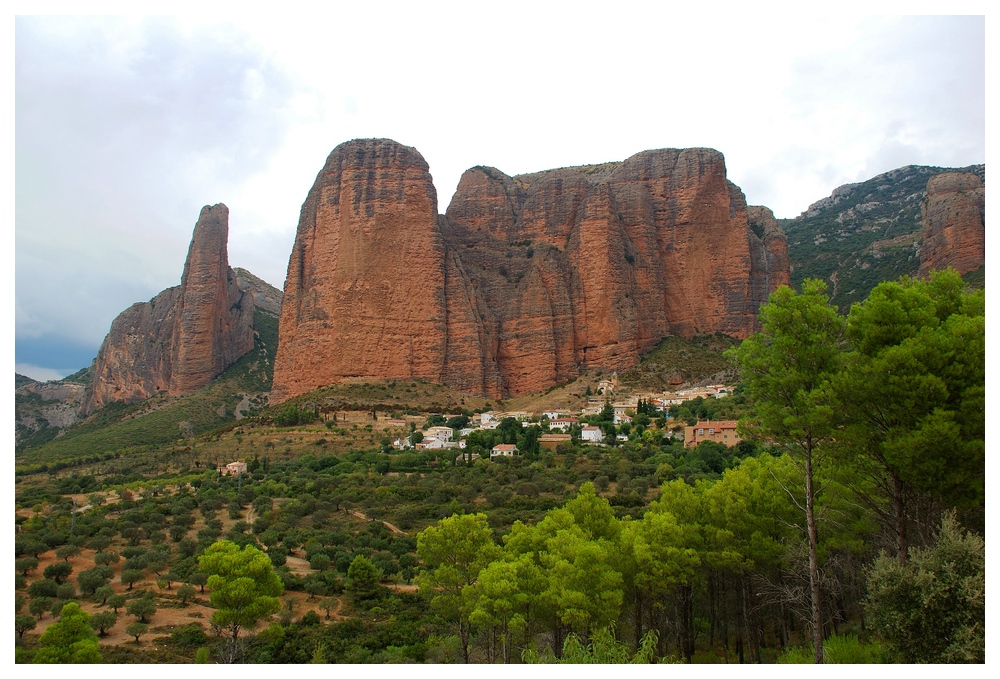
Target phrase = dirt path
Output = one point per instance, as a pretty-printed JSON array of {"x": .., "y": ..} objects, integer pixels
[{"x": 388, "y": 525}]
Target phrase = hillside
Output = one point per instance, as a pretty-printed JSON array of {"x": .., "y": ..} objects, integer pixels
[
  {"x": 676, "y": 361},
  {"x": 863, "y": 234},
  {"x": 240, "y": 389}
]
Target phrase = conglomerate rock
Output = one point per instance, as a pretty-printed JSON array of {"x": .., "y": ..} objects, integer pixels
[
  {"x": 954, "y": 216},
  {"x": 185, "y": 336},
  {"x": 526, "y": 280}
]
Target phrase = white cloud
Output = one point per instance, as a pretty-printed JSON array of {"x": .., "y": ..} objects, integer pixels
[
  {"x": 40, "y": 374},
  {"x": 125, "y": 128}
]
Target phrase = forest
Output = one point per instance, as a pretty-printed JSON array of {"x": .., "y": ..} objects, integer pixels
[{"x": 847, "y": 527}]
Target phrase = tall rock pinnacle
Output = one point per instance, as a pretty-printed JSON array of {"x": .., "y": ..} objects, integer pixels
[
  {"x": 185, "y": 336},
  {"x": 215, "y": 323}
]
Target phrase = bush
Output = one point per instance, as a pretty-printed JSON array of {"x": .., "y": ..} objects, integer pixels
[
  {"x": 189, "y": 636},
  {"x": 933, "y": 608}
]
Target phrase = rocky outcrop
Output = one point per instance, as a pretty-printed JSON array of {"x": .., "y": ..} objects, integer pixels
[
  {"x": 185, "y": 336},
  {"x": 769, "y": 252},
  {"x": 526, "y": 280},
  {"x": 954, "y": 216},
  {"x": 364, "y": 294},
  {"x": 266, "y": 297}
]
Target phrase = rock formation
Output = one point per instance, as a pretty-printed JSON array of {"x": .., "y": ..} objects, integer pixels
[
  {"x": 527, "y": 280},
  {"x": 186, "y": 335},
  {"x": 954, "y": 216}
]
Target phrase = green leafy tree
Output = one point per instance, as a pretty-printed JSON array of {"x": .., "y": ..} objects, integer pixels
[
  {"x": 25, "y": 565},
  {"x": 787, "y": 369},
  {"x": 136, "y": 629},
  {"x": 103, "y": 621},
  {"x": 914, "y": 391},
  {"x": 933, "y": 608},
  {"x": 22, "y": 624},
  {"x": 71, "y": 640},
  {"x": 130, "y": 576},
  {"x": 116, "y": 601},
  {"x": 39, "y": 606},
  {"x": 67, "y": 551},
  {"x": 142, "y": 608},
  {"x": 90, "y": 581},
  {"x": 106, "y": 558},
  {"x": 363, "y": 580},
  {"x": 199, "y": 579},
  {"x": 454, "y": 552},
  {"x": 509, "y": 430},
  {"x": 44, "y": 587},
  {"x": 314, "y": 588},
  {"x": 101, "y": 594},
  {"x": 328, "y": 604},
  {"x": 319, "y": 562},
  {"x": 576, "y": 548},
  {"x": 245, "y": 589},
  {"x": 58, "y": 571},
  {"x": 185, "y": 593}
]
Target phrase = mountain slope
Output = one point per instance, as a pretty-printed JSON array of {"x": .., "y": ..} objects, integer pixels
[{"x": 863, "y": 233}]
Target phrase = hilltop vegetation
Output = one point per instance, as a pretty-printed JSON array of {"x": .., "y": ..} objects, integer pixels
[{"x": 863, "y": 233}]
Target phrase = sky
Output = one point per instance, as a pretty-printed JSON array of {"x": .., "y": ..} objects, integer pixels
[{"x": 125, "y": 126}]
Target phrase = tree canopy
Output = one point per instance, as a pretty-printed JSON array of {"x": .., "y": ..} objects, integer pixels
[
  {"x": 244, "y": 586},
  {"x": 71, "y": 640}
]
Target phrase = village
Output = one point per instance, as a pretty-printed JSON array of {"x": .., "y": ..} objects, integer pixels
[{"x": 558, "y": 424}]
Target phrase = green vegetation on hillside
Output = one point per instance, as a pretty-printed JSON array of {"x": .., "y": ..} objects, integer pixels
[
  {"x": 865, "y": 234},
  {"x": 676, "y": 360},
  {"x": 634, "y": 549},
  {"x": 161, "y": 419}
]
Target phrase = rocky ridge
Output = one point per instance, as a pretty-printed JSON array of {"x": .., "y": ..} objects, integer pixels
[
  {"x": 186, "y": 335},
  {"x": 526, "y": 281},
  {"x": 863, "y": 233}
]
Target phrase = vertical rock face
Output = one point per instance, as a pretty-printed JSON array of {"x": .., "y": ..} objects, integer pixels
[
  {"x": 527, "y": 280},
  {"x": 770, "y": 265},
  {"x": 215, "y": 323},
  {"x": 954, "y": 216},
  {"x": 364, "y": 294},
  {"x": 185, "y": 336}
]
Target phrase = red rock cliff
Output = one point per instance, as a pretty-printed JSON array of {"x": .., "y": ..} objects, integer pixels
[
  {"x": 185, "y": 336},
  {"x": 364, "y": 294},
  {"x": 954, "y": 215},
  {"x": 527, "y": 280}
]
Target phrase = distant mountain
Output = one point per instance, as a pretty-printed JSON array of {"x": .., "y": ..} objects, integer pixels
[{"x": 863, "y": 234}]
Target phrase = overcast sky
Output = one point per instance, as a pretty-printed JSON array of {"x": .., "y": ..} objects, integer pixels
[{"x": 126, "y": 127}]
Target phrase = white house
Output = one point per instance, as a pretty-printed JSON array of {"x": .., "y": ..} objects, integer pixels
[
  {"x": 232, "y": 468},
  {"x": 504, "y": 450},
  {"x": 431, "y": 443},
  {"x": 592, "y": 434},
  {"x": 563, "y": 423},
  {"x": 443, "y": 434}
]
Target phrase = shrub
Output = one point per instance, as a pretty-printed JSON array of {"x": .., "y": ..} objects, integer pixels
[{"x": 932, "y": 609}]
